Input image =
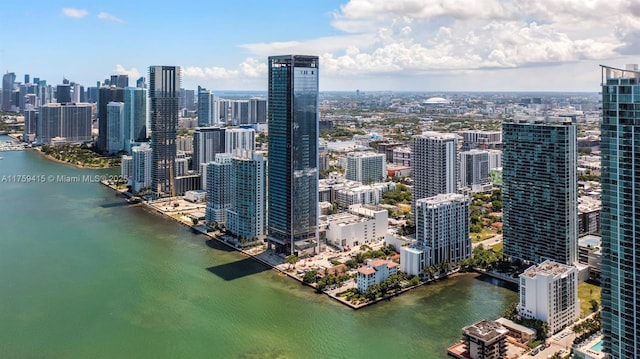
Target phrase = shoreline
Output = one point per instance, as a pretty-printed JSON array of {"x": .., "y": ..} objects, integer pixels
[
  {"x": 51, "y": 158},
  {"x": 256, "y": 257}
]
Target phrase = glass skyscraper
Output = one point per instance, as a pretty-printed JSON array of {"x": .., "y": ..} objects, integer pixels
[
  {"x": 620, "y": 149},
  {"x": 293, "y": 153},
  {"x": 539, "y": 192},
  {"x": 164, "y": 86}
]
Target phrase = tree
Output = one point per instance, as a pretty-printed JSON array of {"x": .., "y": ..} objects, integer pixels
[
  {"x": 310, "y": 276},
  {"x": 291, "y": 259},
  {"x": 594, "y": 305}
]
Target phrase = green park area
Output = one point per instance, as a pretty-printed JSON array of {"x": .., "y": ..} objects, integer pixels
[{"x": 589, "y": 295}]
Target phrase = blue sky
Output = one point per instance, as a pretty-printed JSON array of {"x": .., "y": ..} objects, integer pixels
[{"x": 450, "y": 45}]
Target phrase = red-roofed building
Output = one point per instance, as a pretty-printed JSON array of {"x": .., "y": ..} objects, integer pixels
[{"x": 374, "y": 272}]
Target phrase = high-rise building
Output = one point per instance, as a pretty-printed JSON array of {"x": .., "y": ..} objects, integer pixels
[
  {"x": 64, "y": 123},
  {"x": 620, "y": 215},
  {"x": 293, "y": 153},
  {"x": 135, "y": 114},
  {"x": 140, "y": 83},
  {"x": 164, "y": 85},
  {"x": 105, "y": 96},
  {"x": 239, "y": 140},
  {"x": 30, "y": 124},
  {"x": 247, "y": 214},
  {"x": 366, "y": 167},
  {"x": 539, "y": 191},
  {"x": 207, "y": 142},
  {"x": 549, "y": 292},
  {"x": 481, "y": 139},
  {"x": 240, "y": 112},
  {"x": 116, "y": 130},
  {"x": 257, "y": 110},
  {"x": 207, "y": 109},
  {"x": 141, "y": 167},
  {"x": 474, "y": 170},
  {"x": 120, "y": 81},
  {"x": 8, "y": 80},
  {"x": 433, "y": 164},
  {"x": 442, "y": 227},
  {"x": 63, "y": 93},
  {"x": 218, "y": 188}
]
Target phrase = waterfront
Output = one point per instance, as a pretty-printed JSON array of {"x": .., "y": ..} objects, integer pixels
[{"x": 82, "y": 274}]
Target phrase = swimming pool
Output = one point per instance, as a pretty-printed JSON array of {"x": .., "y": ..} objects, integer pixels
[{"x": 597, "y": 347}]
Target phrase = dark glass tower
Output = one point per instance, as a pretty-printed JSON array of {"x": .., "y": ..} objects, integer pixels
[
  {"x": 539, "y": 192},
  {"x": 164, "y": 84},
  {"x": 106, "y": 95},
  {"x": 620, "y": 148},
  {"x": 293, "y": 153}
]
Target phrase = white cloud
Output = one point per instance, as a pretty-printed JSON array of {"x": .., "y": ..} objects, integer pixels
[
  {"x": 75, "y": 13},
  {"x": 109, "y": 17},
  {"x": 249, "y": 68},
  {"x": 133, "y": 73}
]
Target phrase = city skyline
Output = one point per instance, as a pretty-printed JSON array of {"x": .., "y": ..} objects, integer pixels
[{"x": 369, "y": 45}]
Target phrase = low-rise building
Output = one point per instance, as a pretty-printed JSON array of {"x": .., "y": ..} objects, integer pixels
[
  {"x": 589, "y": 253},
  {"x": 485, "y": 340},
  {"x": 361, "y": 225},
  {"x": 517, "y": 331},
  {"x": 375, "y": 272},
  {"x": 196, "y": 196},
  {"x": 549, "y": 292}
]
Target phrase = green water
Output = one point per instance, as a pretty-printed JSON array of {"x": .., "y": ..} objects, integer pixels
[{"x": 84, "y": 276}]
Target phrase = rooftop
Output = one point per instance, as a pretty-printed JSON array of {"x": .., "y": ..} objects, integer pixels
[
  {"x": 547, "y": 267},
  {"x": 485, "y": 330}
]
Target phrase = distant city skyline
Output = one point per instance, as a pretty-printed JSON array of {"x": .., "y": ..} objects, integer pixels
[{"x": 371, "y": 45}]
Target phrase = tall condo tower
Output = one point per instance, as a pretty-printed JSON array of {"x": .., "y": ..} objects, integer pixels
[
  {"x": 621, "y": 211},
  {"x": 293, "y": 153},
  {"x": 433, "y": 164},
  {"x": 539, "y": 193},
  {"x": 164, "y": 86}
]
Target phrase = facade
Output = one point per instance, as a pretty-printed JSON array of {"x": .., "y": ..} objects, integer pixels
[
  {"x": 126, "y": 167},
  {"x": 366, "y": 167},
  {"x": 442, "y": 226},
  {"x": 239, "y": 140},
  {"x": 135, "y": 115},
  {"x": 549, "y": 292},
  {"x": 257, "y": 110},
  {"x": 375, "y": 271},
  {"x": 164, "y": 85},
  {"x": 539, "y": 190},
  {"x": 485, "y": 340},
  {"x": 620, "y": 180},
  {"x": 116, "y": 135},
  {"x": 474, "y": 170},
  {"x": 433, "y": 165},
  {"x": 207, "y": 142},
  {"x": 7, "y": 89},
  {"x": 207, "y": 108},
  {"x": 61, "y": 123},
  {"x": 30, "y": 124},
  {"x": 141, "y": 167},
  {"x": 219, "y": 192},
  {"x": 413, "y": 259},
  {"x": 481, "y": 139},
  {"x": 106, "y": 94},
  {"x": 247, "y": 215},
  {"x": 293, "y": 153},
  {"x": 240, "y": 112},
  {"x": 401, "y": 156},
  {"x": 361, "y": 225}
]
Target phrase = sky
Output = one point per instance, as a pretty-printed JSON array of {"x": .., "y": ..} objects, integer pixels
[{"x": 370, "y": 45}]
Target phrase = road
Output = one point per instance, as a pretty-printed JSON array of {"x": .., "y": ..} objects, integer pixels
[{"x": 489, "y": 242}]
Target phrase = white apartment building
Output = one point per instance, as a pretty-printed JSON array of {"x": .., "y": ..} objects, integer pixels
[
  {"x": 442, "y": 225},
  {"x": 374, "y": 272},
  {"x": 361, "y": 225},
  {"x": 549, "y": 292},
  {"x": 413, "y": 259},
  {"x": 141, "y": 169}
]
